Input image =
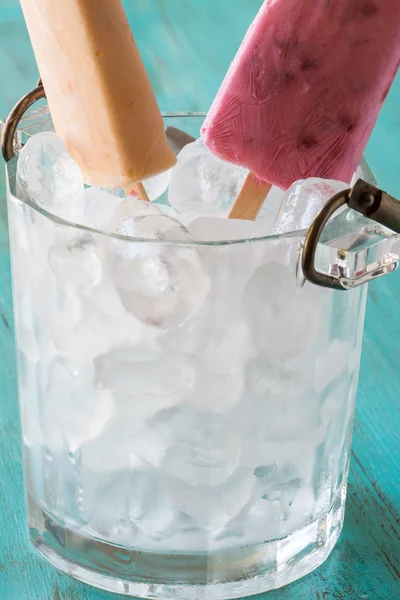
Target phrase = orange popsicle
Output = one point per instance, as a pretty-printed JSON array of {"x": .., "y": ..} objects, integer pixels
[{"x": 98, "y": 91}]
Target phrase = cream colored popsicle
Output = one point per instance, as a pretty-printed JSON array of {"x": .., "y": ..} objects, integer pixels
[{"x": 98, "y": 91}]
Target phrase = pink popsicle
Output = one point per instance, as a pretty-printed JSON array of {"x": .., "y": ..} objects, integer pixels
[{"x": 306, "y": 87}]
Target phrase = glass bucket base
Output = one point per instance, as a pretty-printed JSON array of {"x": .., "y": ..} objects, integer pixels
[{"x": 233, "y": 573}]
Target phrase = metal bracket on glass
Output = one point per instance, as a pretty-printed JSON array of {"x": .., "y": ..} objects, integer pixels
[
  {"x": 10, "y": 127},
  {"x": 363, "y": 198}
]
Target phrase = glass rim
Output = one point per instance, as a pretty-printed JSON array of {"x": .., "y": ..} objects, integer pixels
[{"x": 130, "y": 239}]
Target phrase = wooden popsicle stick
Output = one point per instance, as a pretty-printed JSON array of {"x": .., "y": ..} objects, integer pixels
[
  {"x": 139, "y": 191},
  {"x": 251, "y": 199}
]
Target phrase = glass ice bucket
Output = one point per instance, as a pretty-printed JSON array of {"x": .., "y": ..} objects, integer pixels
[{"x": 187, "y": 407}]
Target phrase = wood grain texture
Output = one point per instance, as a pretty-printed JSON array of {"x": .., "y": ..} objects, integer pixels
[{"x": 187, "y": 46}]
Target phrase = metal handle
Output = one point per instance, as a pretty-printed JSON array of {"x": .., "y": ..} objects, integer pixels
[
  {"x": 312, "y": 239},
  {"x": 375, "y": 204},
  {"x": 363, "y": 198},
  {"x": 10, "y": 127}
]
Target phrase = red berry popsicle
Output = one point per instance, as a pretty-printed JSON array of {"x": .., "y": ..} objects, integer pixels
[{"x": 303, "y": 94}]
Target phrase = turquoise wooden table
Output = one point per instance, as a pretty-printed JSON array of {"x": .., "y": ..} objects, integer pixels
[{"x": 187, "y": 46}]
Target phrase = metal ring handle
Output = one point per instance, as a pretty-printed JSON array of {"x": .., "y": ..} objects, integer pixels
[
  {"x": 312, "y": 239},
  {"x": 10, "y": 127}
]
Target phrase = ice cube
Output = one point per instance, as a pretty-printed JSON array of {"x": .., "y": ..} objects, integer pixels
[
  {"x": 156, "y": 186},
  {"x": 100, "y": 331},
  {"x": 296, "y": 418},
  {"x": 24, "y": 325},
  {"x": 271, "y": 391},
  {"x": 214, "y": 229},
  {"x": 270, "y": 208},
  {"x": 132, "y": 509},
  {"x": 303, "y": 201},
  {"x": 56, "y": 314},
  {"x": 48, "y": 176},
  {"x": 202, "y": 449},
  {"x": 266, "y": 379},
  {"x": 143, "y": 385},
  {"x": 331, "y": 364},
  {"x": 161, "y": 284},
  {"x": 75, "y": 262},
  {"x": 106, "y": 516},
  {"x": 137, "y": 372},
  {"x": 187, "y": 338},
  {"x": 26, "y": 265},
  {"x": 79, "y": 324},
  {"x": 254, "y": 417},
  {"x": 273, "y": 480},
  {"x": 283, "y": 318},
  {"x": 104, "y": 210},
  {"x": 219, "y": 348},
  {"x": 126, "y": 443},
  {"x": 73, "y": 409},
  {"x": 168, "y": 211},
  {"x": 336, "y": 410},
  {"x": 99, "y": 207},
  {"x": 106, "y": 299},
  {"x": 153, "y": 225},
  {"x": 295, "y": 449},
  {"x": 230, "y": 262},
  {"x": 298, "y": 511},
  {"x": 226, "y": 349},
  {"x": 220, "y": 361},
  {"x": 280, "y": 509},
  {"x": 32, "y": 383},
  {"x": 277, "y": 488},
  {"x": 263, "y": 520},
  {"x": 156, "y": 226},
  {"x": 158, "y": 520},
  {"x": 214, "y": 511},
  {"x": 202, "y": 184}
]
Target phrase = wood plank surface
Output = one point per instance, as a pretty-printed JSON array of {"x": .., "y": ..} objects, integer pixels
[{"x": 187, "y": 46}]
